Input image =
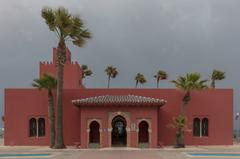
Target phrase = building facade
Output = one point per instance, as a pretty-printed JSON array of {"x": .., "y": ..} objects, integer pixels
[{"x": 98, "y": 118}]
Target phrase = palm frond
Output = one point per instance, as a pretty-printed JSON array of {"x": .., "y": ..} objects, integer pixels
[
  {"x": 84, "y": 67},
  {"x": 111, "y": 71},
  {"x": 218, "y": 75},
  {"x": 189, "y": 82},
  {"x": 66, "y": 26},
  {"x": 140, "y": 78},
  {"x": 48, "y": 15},
  {"x": 161, "y": 75},
  {"x": 80, "y": 42},
  {"x": 45, "y": 82}
]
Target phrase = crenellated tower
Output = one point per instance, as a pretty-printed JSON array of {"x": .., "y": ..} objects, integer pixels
[{"x": 72, "y": 70}]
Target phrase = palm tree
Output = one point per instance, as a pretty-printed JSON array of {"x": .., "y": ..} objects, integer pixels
[
  {"x": 67, "y": 28},
  {"x": 161, "y": 75},
  {"x": 86, "y": 71},
  {"x": 187, "y": 84},
  {"x": 180, "y": 124},
  {"x": 216, "y": 75},
  {"x": 139, "y": 78},
  {"x": 49, "y": 83},
  {"x": 111, "y": 73}
]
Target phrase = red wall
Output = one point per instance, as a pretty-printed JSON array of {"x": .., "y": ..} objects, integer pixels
[
  {"x": 217, "y": 105},
  {"x": 72, "y": 71},
  {"x": 22, "y": 104},
  {"x": 102, "y": 113},
  {"x": 72, "y": 74}
]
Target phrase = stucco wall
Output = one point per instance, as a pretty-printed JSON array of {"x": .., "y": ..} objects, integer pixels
[
  {"x": 134, "y": 114},
  {"x": 22, "y": 104},
  {"x": 72, "y": 74},
  {"x": 217, "y": 105}
]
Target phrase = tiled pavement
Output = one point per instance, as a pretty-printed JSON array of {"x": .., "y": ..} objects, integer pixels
[
  {"x": 119, "y": 153},
  {"x": 85, "y": 154}
]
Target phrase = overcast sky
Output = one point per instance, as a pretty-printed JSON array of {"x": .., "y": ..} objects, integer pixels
[{"x": 177, "y": 36}]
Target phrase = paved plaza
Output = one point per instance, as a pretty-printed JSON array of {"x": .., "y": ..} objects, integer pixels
[{"x": 118, "y": 153}]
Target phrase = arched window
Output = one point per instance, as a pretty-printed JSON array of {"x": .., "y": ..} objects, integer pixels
[
  {"x": 143, "y": 135},
  {"x": 41, "y": 127},
  {"x": 94, "y": 135},
  {"x": 32, "y": 127},
  {"x": 196, "y": 127},
  {"x": 205, "y": 127}
]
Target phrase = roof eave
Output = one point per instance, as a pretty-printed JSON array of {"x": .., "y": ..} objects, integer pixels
[{"x": 77, "y": 104}]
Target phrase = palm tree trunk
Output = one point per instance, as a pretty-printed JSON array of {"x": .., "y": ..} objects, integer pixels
[
  {"x": 108, "y": 82},
  {"x": 59, "y": 143},
  {"x": 180, "y": 138},
  {"x": 185, "y": 101},
  {"x": 183, "y": 109},
  {"x": 157, "y": 83},
  {"x": 180, "y": 131},
  {"x": 51, "y": 117},
  {"x": 136, "y": 84},
  {"x": 213, "y": 83}
]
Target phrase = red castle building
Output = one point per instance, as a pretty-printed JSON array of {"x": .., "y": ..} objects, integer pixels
[{"x": 116, "y": 117}]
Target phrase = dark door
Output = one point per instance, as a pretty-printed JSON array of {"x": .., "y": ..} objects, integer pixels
[
  {"x": 119, "y": 134},
  {"x": 94, "y": 135},
  {"x": 143, "y": 136}
]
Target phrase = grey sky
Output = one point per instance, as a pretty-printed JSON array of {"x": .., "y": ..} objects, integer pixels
[{"x": 178, "y": 36}]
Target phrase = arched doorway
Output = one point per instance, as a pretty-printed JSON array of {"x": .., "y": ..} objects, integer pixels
[
  {"x": 119, "y": 133},
  {"x": 143, "y": 134},
  {"x": 94, "y": 134}
]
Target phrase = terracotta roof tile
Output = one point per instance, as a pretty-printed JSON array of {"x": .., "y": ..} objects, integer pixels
[{"x": 113, "y": 100}]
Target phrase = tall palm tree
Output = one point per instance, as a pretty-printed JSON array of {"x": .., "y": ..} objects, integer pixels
[
  {"x": 49, "y": 83},
  {"x": 216, "y": 75},
  {"x": 86, "y": 71},
  {"x": 139, "y": 78},
  {"x": 187, "y": 84},
  {"x": 161, "y": 75},
  {"x": 67, "y": 28},
  {"x": 111, "y": 72}
]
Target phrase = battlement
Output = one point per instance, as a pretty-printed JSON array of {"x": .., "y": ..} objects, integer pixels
[
  {"x": 52, "y": 63},
  {"x": 72, "y": 70},
  {"x": 46, "y": 63}
]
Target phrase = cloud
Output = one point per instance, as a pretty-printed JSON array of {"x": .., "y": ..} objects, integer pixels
[{"x": 133, "y": 35}]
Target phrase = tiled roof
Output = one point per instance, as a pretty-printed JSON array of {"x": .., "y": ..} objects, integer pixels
[{"x": 119, "y": 100}]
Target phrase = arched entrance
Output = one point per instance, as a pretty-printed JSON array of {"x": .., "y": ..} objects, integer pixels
[
  {"x": 119, "y": 133},
  {"x": 94, "y": 134},
  {"x": 143, "y": 135}
]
